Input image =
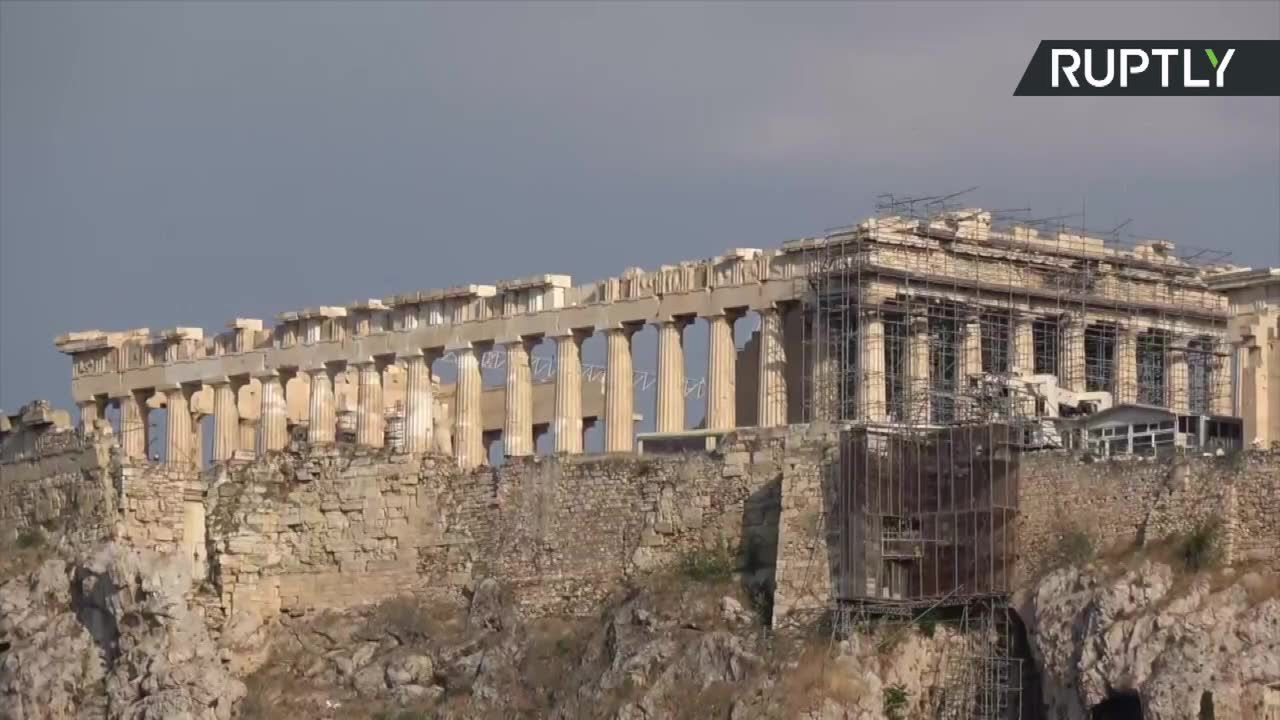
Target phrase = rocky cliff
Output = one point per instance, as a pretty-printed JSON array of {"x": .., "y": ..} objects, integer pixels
[{"x": 1152, "y": 642}]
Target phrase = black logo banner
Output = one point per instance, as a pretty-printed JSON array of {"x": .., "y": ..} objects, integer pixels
[{"x": 1153, "y": 67}]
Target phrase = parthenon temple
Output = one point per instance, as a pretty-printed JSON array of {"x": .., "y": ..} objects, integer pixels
[{"x": 899, "y": 319}]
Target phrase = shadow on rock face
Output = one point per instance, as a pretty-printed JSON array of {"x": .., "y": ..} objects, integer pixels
[{"x": 1118, "y": 706}]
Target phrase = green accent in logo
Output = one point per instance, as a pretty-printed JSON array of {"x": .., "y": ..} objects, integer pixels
[{"x": 1212, "y": 58}]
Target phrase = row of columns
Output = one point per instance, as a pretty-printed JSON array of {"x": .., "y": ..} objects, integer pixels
[{"x": 872, "y": 378}]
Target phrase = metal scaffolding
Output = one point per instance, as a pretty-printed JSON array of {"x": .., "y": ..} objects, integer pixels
[{"x": 930, "y": 337}]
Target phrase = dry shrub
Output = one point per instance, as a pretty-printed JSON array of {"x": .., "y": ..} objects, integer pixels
[
  {"x": 412, "y": 619},
  {"x": 819, "y": 675},
  {"x": 1260, "y": 587}
]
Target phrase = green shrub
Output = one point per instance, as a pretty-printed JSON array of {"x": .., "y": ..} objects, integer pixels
[
  {"x": 895, "y": 702},
  {"x": 708, "y": 564},
  {"x": 1074, "y": 549},
  {"x": 30, "y": 539},
  {"x": 1201, "y": 548},
  {"x": 927, "y": 624}
]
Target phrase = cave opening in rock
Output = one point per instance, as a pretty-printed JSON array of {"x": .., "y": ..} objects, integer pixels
[
  {"x": 1206, "y": 705},
  {"x": 1118, "y": 706}
]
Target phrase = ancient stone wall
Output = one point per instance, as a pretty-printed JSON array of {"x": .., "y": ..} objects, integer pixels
[
  {"x": 806, "y": 539},
  {"x": 340, "y": 527},
  {"x": 1120, "y": 502},
  {"x": 66, "y": 484}
]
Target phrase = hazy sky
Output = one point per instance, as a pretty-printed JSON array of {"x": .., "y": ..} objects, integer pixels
[{"x": 182, "y": 164}]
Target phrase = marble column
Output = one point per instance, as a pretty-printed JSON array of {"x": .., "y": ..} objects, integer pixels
[
  {"x": 1071, "y": 373},
  {"x": 369, "y": 419},
  {"x": 1024, "y": 348},
  {"x": 771, "y": 399},
  {"x": 1220, "y": 400},
  {"x": 721, "y": 373},
  {"x": 133, "y": 426},
  {"x": 468, "y": 430},
  {"x": 619, "y": 393},
  {"x": 1124, "y": 387},
  {"x": 178, "y": 435},
  {"x": 871, "y": 386},
  {"x": 1024, "y": 363},
  {"x": 273, "y": 421},
  {"x": 823, "y": 368},
  {"x": 568, "y": 409},
  {"x": 918, "y": 366},
  {"x": 517, "y": 429},
  {"x": 1178, "y": 391},
  {"x": 321, "y": 414},
  {"x": 226, "y": 420},
  {"x": 968, "y": 364},
  {"x": 418, "y": 401},
  {"x": 669, "y": 408},
  {"x": 89, "y": 416}
]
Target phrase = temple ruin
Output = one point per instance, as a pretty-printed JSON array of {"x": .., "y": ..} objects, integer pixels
[{"x": 912, "y": 318}]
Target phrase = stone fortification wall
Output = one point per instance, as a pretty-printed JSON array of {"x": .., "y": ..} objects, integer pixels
[
  {"x": 1121, "y": 502},
  {"x": 335, "y": 528},
  {"x": 66, "y": 484}
]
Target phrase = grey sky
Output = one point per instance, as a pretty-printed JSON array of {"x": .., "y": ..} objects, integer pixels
[{"x": 167, "y": 164}]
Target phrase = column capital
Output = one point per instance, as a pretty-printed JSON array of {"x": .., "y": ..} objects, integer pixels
[
  {"x": 873, "y": 312},
  {"x": 168, "y": 387},
  {"x": 217, "y": 380},
  {"x": 267, "y": 374},
  {"x": 679, "y": 321},
  {"x": 578, "y": 334},
  {"x": 513, "y": 339},
  {"x": 627, "y": 329},
  {"x": 126, "y": 394},
  {"x": 412, "y": 354}
]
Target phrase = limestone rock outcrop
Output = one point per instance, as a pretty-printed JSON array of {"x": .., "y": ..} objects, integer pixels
[
  {"x": 109, "y": 634},
  {"x": 1181, "y": 647}
]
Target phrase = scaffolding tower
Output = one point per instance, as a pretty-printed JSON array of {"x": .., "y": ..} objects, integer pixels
[{"x": 938, "y": 343}]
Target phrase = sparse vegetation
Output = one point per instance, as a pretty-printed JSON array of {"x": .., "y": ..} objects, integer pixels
[
  {"x": 927, "y": 624},
  {"x": 30, "y": 539},
  {"x": 709, "y": 563},
  {"x": 1074, "y": 548},
  {"x": 1201, "y": 548},
  {"x": 895, "y": 702},
  {"x": 411, "y": 619}
]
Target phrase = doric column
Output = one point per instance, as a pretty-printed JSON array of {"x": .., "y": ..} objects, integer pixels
[
  {"x": 1071, "y": 373},
  {"x": 568, "y": 410},
  {"x": 971, "y": 353},
  {"x": 468, "y": 430},
  {"x": 918, "y": 361},
  {"x": 178, "y": 435},
  {"x": 1125, "y": 376},
  {"x": 968, "y": 364},
  {"x": 226, "y": 420},
  {"x": 721, "y": 374},
  {"x": 321, "y": 415},
  {"x": 1024, "y": 358},
  {"x": 619, "y": 400},
  {"x": 824, "y": 374},
  {"x": 273, "y": 421},
  {"x": 1177, "y": 391},
  {"x": 133, "y": 425},
  {"x": 417, "y": 401},
  {"x": 89, "y": 415},
  {"x": 369, "y": 420},
  {"x": 771, "y": 398},
  {"x": 669, "y": 408},
  {"x": 871, "y": 385},
  {"x": 517, "y": 429},
  {"x": 1220, "y": 401},
  {"x": 1024, "y": 363}
]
